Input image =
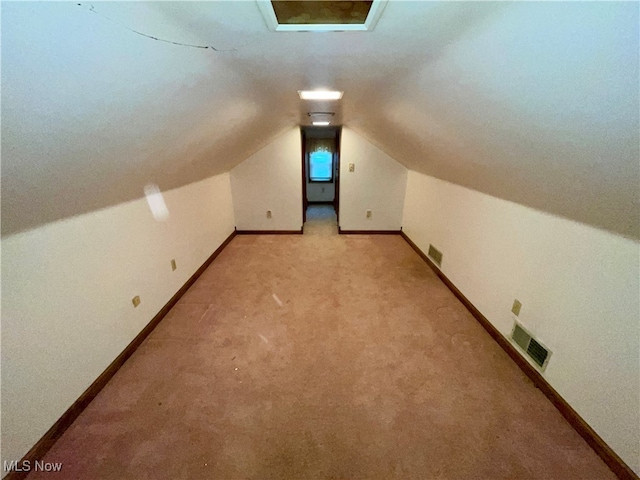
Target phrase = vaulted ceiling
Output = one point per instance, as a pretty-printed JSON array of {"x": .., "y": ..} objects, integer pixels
[{"x": 536, "y": 103}]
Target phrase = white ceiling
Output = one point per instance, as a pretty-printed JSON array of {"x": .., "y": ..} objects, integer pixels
[{"x": 536, "y": 103}]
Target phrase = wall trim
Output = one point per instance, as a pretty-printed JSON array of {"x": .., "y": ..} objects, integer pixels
[
  {"x": 611, "y": 458},
  {"x": 368, "y": 232},
  {"x": 269, "y": 232},
  {"x": 47, "y": 441}
]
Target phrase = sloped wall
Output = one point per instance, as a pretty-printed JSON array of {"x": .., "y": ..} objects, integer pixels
[
  {"x": 377, "y": 183},
  {"x": 579, "y": 287},
  {"x": 532, "y": 102},
  {"x": 92, "y": 108},
  {"x": 67, "y": 290}
]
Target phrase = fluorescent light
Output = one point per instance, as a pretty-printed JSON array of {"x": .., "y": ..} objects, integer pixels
[
  {"x": 320, "y": 94},
  {"x": 320, "y": 124}
]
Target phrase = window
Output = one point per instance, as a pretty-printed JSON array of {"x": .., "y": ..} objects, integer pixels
[
  {"x": 321, "y": 166},
  {"x": 320, "y": 151}
]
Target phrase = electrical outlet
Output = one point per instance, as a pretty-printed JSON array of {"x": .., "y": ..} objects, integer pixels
[
  {"x": 516, "y": 307},
  {"x": 352, "y": 167},
  {"x": 369, "y": 214},
  {"x": 268, "y": 213},
  {"x": 136, "y": 301},
  {"x": 173, "y": 264}
]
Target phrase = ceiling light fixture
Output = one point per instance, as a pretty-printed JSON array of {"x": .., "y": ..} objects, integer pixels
[
  {"x": 320, "y": 94},
  {"x": 320, "y": 124}
]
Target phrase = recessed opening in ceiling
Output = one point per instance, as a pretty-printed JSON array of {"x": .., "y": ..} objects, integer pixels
[
  {"x": 313, "y": 15},
  {"x": 330, "y": 12}
]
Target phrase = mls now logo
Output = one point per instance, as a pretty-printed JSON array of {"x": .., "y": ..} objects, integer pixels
[{"x": 27, "y": 466}]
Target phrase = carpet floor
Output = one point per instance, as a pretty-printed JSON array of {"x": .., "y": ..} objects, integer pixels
[{"x": 321, "y": 356}]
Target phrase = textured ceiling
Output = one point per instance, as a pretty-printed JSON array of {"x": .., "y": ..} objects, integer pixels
[{"x": 536, "y": 103}]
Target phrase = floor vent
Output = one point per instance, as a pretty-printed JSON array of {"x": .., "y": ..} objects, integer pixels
[
  {"x": 537, "y": 352},
  {"x": 435, "y": 255}
]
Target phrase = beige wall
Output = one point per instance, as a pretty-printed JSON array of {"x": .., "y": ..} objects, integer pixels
[
  {"x": 579, "y": 288},
  {"x": 270, "y": 179},
  {"x": 377, "y": 184},
  {"x": 321, "y": 192},
  {"x": 66, "y": 296}
]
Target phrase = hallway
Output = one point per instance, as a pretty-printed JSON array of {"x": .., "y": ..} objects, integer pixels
[
  {"x": 320, "y": 356},
  {"x": 321, "y": 221}
]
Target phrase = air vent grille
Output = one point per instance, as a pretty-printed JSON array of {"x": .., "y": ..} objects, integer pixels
[
  {"x": 521, "y": 337},
  {"x": 537, "y": 352},
  {"x": 529, "y": 345},
  {"x": 435, "y": 255}
]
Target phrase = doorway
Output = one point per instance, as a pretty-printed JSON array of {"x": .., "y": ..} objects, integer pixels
[{"x": 320, "y": 172}]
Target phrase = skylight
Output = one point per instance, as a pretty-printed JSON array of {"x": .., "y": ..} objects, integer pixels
[
  {"x": 321, "y": 16},
  {"x": 327, "y": 13}
]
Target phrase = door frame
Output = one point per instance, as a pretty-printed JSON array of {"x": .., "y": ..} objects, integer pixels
[
  {"x": 336, "y": 171},
  {"x": 336, "y": 176},
  {"x": 305, "y": 202}
]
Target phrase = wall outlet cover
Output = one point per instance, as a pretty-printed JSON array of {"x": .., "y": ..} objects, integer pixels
[
  {"x": 352, "y": 167},
  {"x": 515, "y": 309},
  {"x": 268, "y": 213}
]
